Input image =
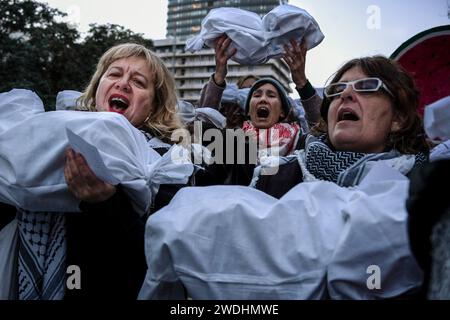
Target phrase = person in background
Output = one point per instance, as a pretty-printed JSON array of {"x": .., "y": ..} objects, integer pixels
[{"x": 247, "y": 81}]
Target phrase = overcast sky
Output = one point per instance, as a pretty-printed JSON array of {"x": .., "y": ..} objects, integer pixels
[{"x": 352, "y": 28}]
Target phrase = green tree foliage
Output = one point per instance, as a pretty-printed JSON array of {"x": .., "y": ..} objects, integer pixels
[{"x": 39, "y": 51}]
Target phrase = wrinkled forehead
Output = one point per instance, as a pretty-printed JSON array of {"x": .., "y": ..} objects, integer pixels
[
  {"x": 134, "y": 63},
  {"x": 352, "y": 74}
]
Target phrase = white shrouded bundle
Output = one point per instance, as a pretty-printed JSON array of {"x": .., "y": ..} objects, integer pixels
[
  {"x": 32, "y": 155},
  {"x": 436, "y": 120},
  {"x": 318, "y": 241},
  {"x": 257, "y": 40}
]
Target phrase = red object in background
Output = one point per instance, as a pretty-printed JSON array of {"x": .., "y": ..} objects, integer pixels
[{"x": 427, "y": 57}]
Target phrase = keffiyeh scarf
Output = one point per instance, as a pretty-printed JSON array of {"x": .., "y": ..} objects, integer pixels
[
  {"x": 348, "y": 168},
  {"x": 279, "y": 140},
  {"x": 42, "y": 255}
]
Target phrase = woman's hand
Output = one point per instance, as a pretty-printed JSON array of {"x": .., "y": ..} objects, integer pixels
[
  {"x": 82, "y": 182},
  {"x": 295, "y": 57},
  {"x": 222, "y": 56}
]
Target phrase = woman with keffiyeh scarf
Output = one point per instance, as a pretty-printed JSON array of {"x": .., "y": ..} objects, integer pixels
[{"x": 270, "y": 123}]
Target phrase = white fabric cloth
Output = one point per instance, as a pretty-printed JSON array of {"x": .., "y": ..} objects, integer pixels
[
  {"x": 67, "y": 100},
  {"x": 316, "y": 241},
  {"x": 257, "y": 40},
  {"x": 436, "y": 120},
  {"x": 188, "y": 114},
  {"x": 232, "y": 94},
  {"x": 440, "y": 152},
  {"x": 32, "y": 156}
]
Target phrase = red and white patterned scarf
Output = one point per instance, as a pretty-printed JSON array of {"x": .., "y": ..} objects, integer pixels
[{"x": 278, "y": 140}]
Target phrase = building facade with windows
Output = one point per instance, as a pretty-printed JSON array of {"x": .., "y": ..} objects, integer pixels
[{"x": 192, "y": 70}]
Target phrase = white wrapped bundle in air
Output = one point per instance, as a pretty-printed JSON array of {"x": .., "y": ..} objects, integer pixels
[{"x": 257, "y": 40}]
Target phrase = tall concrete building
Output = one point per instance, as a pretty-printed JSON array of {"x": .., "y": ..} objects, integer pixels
[{"x": 192, "y": 70}]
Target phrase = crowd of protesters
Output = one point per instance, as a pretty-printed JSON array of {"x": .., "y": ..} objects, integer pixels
[{"x": 367, "y": 118}]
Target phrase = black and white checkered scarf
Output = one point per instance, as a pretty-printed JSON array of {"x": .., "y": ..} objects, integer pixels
[
  {"x": 343, "y": 167},
  {"x": 42, "y": 255}
]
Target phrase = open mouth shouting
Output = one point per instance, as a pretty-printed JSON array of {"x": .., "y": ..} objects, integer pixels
[
  {"x": 118, "y": 103},
  {"x": 347, "y": 114},
  {"x": 262, "y": 112}
]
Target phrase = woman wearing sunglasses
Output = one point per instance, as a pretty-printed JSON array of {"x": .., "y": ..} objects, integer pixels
[
  {"x": 369, "y": 112},
  {"x": 371, "y": 106}
]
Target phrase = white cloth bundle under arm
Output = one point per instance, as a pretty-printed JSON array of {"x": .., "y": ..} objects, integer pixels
[
  {"x": 257, "y": 40},
  {"x": 317, "y": 241},
  {"x": 32, "y": 155}
]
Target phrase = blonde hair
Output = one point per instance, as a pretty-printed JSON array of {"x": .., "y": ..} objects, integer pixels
[{"x": 164, "y": 119}]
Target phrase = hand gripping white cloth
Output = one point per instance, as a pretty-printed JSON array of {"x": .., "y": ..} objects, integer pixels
[
  {"x": 257, "y": 40},
  {"x": 32, "y": 155},
  {"x": 317, "y": 241}
]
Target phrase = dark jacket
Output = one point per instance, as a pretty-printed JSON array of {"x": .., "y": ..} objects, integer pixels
[
  {"x": 7, "y": 214},
  {"x": 427, "y": 202},
  {"x": 106, "y": 240}
]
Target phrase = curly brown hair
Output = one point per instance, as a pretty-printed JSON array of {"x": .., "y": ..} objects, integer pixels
[{"x": 410, "y": 138}]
